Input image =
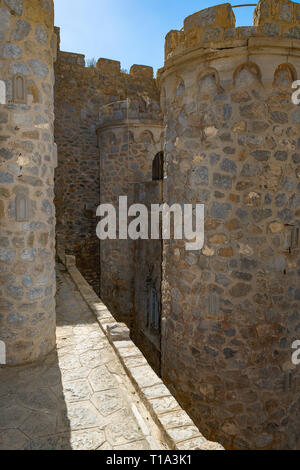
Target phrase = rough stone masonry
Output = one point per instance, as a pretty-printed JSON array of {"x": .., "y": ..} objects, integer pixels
[
  {"x": 232, "y": 311},
  {"x": 229, "y": 313},
  {"x": 27, "y": 160}
]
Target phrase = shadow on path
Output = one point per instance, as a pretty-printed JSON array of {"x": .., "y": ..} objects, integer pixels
[{"x": 78, "y": 397}]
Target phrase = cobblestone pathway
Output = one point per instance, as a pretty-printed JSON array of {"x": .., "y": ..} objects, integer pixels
[{"x": 79, "y": 397}]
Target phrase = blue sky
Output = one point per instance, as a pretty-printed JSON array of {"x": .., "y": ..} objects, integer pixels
[{"x": 131, "y": 31}]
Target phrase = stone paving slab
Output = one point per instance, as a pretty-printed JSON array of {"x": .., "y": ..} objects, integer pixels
[
  {"x": 177, "y": 429},
  {"x": 80, "y": 397}
]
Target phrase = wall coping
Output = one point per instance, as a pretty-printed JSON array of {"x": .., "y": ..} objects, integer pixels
[
  {"x": 176, "y": 426},
  {"x": 133, "y": 123},
  {"x": 128, "y": 111}
]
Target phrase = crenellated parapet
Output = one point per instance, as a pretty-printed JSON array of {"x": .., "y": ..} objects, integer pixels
[
  {"x": 215, "y": 27},
  {"x": 278, "y": 18},
  {"x": 265, "y": 55},
  {"x": 113, "y": 67}
]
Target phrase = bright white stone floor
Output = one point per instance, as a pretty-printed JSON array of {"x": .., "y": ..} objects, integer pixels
[{"x": 78, "y": 398}]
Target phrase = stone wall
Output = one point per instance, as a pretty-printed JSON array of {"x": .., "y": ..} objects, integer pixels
[
  {"x": 81, "y": 95},
  {"x": 147, "y": 281},
  {"x": 77, "y": 106},
  {"x": 129, "y": 136},
  {"x": 27, "y": 160},
  {"x": 232, "y": 310}
]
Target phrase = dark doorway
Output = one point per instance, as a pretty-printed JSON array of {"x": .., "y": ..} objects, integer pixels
[{"x": 158, "y": 167}]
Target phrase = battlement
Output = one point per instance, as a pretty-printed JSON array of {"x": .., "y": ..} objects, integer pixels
[
  {"x": 141, "y": 71},
  {"x": 106, "y": 67},
  {"x": 109, "y": 67},
  {"x": 71, "y": 58},
  {"x": 207, "y": 28},
  {"x": 113, "y": 67}
]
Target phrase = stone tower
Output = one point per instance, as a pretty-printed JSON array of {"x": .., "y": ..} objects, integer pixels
[
  {"x": 27, "y": 162},
  {"x": 232, "y": 311},
  {"x": 129, "y": 138}
]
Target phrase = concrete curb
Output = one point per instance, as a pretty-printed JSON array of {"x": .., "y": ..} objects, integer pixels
[{"x": 178, "y": 429}]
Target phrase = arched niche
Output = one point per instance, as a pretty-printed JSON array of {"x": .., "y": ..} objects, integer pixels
[
  {"x": 22, "y": 207},
  {"x": 147, "y": 137},
  {"x": 2, "y": 92},
  {"x": 246, "y": 74},
  {"x": 208, "y": 82},
  {"x": 284, "y": 76},
  {"x": 19, "y": 89},
  {"x": 128, "y": 137}
]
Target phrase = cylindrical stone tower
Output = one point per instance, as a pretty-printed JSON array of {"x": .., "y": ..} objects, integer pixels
[
  {"x": 27, "y": 161},
  {"x": 232, "y": 310},
  {"x": 129, "y": 137}
]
